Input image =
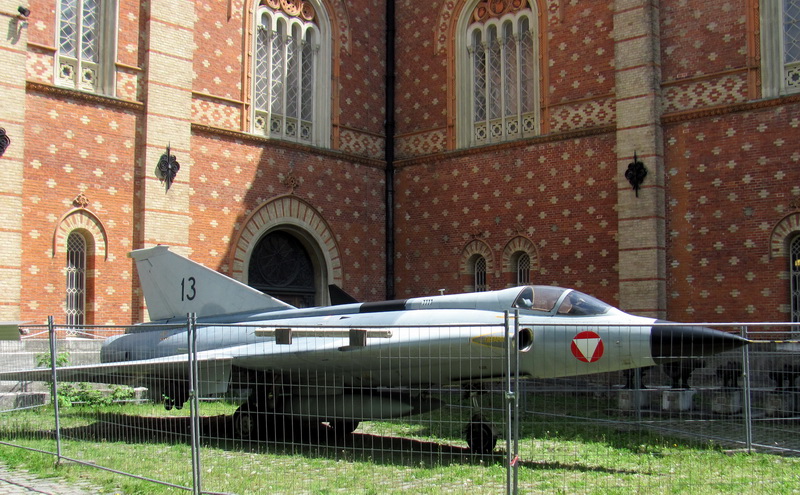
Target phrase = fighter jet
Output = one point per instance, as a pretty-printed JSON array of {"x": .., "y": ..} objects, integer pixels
[{"x": 344, "y": 364}]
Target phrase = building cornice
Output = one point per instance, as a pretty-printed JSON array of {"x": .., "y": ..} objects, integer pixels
[
  {"x": 716, "y": 111},
  {"x": 108, "y": 101},
  {"x": 519, "y": 143},
  {"x": 264, "y": 141}
]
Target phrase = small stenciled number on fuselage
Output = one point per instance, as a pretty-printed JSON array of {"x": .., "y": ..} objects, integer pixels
[{"x": 188, "y": 289}]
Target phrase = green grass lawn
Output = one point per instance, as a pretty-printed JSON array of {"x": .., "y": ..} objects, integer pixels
[{"x": 423, "y": 454}]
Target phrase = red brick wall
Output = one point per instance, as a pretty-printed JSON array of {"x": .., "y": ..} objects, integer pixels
[
  {"x": 75, "y": 147},
  {"x": 231, "y": 179},
  {"x": 730, "y": 180},
  {"x": 560, "y": 195}
]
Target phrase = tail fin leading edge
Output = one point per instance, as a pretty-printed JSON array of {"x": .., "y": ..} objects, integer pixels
[{"x": 175, "y": 286}]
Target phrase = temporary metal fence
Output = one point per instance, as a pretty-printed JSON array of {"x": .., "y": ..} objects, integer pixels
[{"x": 556, "y": 435}]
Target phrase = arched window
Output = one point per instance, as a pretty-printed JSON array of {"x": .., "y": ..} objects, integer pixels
[
  {"x": 479, "y": 270},
  {"x": 76, "y": 279},
  {"x": 281, "y": 266},
  {"x": 794, "y": 270},
  {"x": 780, "y": 47},
  {"x": 522, "y": 266},
  {"x": 291, "y": 73},
  {"x": 499, "y": 99},
  {"x": 86, "y": 45}
]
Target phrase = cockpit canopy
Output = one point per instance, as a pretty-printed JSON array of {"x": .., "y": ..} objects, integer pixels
[{"x": 569, "y": 302}]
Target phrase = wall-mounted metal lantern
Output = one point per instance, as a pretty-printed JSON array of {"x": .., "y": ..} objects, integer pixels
[
  {"x": 167, "y": 168},
  {"x": 636, "y": 173},
  {"x": 5, "y": 141}
]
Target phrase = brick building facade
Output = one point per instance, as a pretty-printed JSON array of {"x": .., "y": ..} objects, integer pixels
[{"x": 275, "y": 111}]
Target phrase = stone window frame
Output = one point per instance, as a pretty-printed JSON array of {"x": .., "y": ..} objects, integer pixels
[
  {"x": 76, "y": 270},
  {"x": 778, "y": 78},
  {"x": 793, "y": 246},
  {"x": 515, "y": 252},
  {"x": 465, "y": 78},
  {"x": 470, "y": 255},
  {"x": 319, "y": 31},
  {"x": 74, "y": 70}
]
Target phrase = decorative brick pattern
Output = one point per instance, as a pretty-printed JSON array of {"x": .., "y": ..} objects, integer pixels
[
  {"x": 424, "y": 143},
  {"x": 582, "y": 115},
  {"x": 724, "y": 90},
  {"x": 236, "y": 176},
  {"x": 361, "y": 144},
  {"x": 40, "y": 66},
  {"x": 217, "y": 113},
  {"x": 129, "y": 85},
  {"x": 728, "y": 168},
  {"x": 559, "y": 195},
  {"x": 733, "y": 183},
  {"x": 78, "y": 147},
  {"x": 699, "y": 37}
]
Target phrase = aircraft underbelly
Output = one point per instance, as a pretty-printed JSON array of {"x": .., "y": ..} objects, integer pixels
[{"x": 385, "y": 364}]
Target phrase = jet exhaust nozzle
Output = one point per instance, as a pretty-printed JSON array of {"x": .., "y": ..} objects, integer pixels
[{"x": 670, "y": 343}]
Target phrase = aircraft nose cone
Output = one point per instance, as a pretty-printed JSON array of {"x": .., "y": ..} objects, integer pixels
[{"x": 669, "y": 343}]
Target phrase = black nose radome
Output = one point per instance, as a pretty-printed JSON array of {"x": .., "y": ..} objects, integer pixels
[{"x": 669, "y": 342}]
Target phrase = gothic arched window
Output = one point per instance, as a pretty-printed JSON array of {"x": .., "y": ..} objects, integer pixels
[
  {"x": 86, "y": 45},
  {"x": 500, "y": 98},
  {"x": 794, "y": 270},
  {"x": 522, "y": 266},
  {"x": 479, "y": 271},
  {"x": 291, "y": 75},
  {"x": 75, "y": 305}
]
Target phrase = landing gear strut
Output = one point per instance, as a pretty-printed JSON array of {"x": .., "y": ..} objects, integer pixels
[{"x": 481, "y": 436}]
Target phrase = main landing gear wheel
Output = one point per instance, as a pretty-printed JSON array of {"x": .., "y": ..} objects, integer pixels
[
  {"x": 247, "y": 424},
  {"x": 481, "y": 436}
]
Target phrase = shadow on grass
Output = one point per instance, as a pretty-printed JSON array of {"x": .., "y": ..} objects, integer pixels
[{"x": 310, "y": 440}]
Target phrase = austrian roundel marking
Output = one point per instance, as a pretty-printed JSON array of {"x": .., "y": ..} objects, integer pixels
[{"x": 587, "y": 347}]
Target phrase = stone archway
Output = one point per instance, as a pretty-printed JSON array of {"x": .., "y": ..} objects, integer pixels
[
  {"x": 297, "y": 217},
  {"x": 85, "y": 220}
]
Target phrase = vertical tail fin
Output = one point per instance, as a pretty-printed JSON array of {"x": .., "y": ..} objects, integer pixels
[{"x": 175, "y": 286}]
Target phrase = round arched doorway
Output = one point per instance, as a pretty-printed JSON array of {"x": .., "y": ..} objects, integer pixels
[{"x": 281, "y": 266}]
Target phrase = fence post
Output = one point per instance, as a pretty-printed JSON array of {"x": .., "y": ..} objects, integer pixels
[
  {"x": 51, "y": 332},
  {"x": 515, "y": 460},
  {"x": 194, "y": 413},
  {"x": 511, "y": 406},
  {"x": 748, "y": 414}
]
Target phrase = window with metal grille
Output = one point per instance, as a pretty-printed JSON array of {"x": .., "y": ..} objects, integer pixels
[
  {"x": 794, "y": 270},
  {"x": 86, "y": 45},
  {"x": 479, "y": 269},
  {"x": 502, "y": 75},
  {"x": 523, "y": 266},
  {"x": 288, "y": 78},
  {"x": 76, "y": 279},
  {"x": 791, "y": 44}
]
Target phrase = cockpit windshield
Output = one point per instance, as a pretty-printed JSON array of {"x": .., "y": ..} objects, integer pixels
[{"x": 570, "y": 302}]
